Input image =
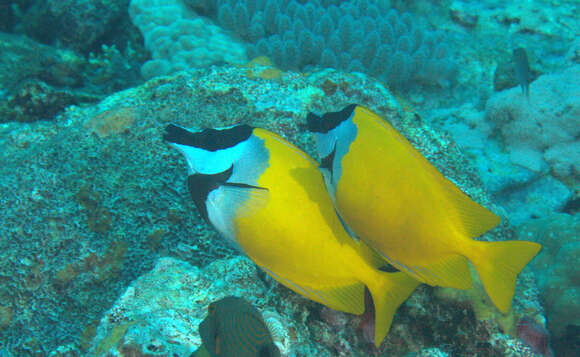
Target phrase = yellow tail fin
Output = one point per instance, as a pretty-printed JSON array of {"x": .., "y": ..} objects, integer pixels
[
  {"x": 389, "y": 291},
  {"x": 498, "y": 266}
]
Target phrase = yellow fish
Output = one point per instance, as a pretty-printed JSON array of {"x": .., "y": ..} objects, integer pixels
[
  {"x": 395, "y": 200},
  {"x": 268, "y": 198}
]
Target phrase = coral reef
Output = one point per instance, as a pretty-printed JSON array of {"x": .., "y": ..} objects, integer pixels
[
  {"x": 573, "y": 54},
  {"x": 80, "y": 25},
  {"x": 524, "y": 17},
  {"x": 37, "y": 82},
  {"x": 508, "y": 183},
  {"x": 351, "y": 35},
  {"x": 35, "y": 100},
  {"x": 555, "y": 267},
  {"x": 92, "y": 198},
  {"x": 178, "y": 39},
  {"x": 538, "y": 198},
  {"x": 536, "y": 336},
  {"x": 23, "y": 59},
  {"x": 104, "y": 215},
  {"x": 356, "y": 35},
  {"x": 538, "y": 174},
  {"x": 160, "y": 312},
  {"x": 541, "y": 132}
]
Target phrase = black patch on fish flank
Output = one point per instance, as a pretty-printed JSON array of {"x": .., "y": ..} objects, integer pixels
[
  {"x": 326, "y": 162},
  {"x": 328, "y": 121},
  {"x": 208, "y": 139},
  {"x": 201, "y": 185}
]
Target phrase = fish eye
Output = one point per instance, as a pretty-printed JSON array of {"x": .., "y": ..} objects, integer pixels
[{"x": 211, "y": 309}]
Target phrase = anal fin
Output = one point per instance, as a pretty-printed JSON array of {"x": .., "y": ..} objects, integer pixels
[
  {"x": 451, "y": 271},
  {"x": 347, "y": 298},
  {"x": 474, "y": 219}
]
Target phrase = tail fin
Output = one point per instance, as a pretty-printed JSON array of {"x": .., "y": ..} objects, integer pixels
[
  {"x": 389, "y": 291},
  {"x": 498, "y": 267}
]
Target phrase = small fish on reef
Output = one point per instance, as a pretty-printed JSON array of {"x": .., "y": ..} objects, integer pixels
[
  {"x": 401, "y": 205},
  {"x": 268, "y": 198},
  {"x": 572, "y": 206},
  {"x": 234, "y": 328},
  {"x": 522, "y": 68}
]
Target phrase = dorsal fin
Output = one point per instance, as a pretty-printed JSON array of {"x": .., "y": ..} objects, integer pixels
[{"x": 475, "y": 218}]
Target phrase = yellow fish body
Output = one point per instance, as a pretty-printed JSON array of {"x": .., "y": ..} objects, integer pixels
[
  {"x": 394, "y": 199},
  {"x": 268, "y": 198}
]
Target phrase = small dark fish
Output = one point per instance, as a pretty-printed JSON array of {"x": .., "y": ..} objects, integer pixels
[
  {"x": 234, "y": 328},
  {"x": 523, "y": 72},
  {"x": 572, "y": 206}
]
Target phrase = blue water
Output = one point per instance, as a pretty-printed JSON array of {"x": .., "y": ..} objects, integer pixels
[{"x": 92, "y": 197}]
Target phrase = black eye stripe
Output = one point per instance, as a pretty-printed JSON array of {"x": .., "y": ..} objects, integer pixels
[{"x": 326, "y": 162}]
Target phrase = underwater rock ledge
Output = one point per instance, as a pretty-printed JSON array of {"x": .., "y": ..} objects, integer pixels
[{"x": 119, "y": 203}]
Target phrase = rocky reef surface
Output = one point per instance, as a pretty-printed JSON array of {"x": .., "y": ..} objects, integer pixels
[{"x": 95, "y": 198}]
